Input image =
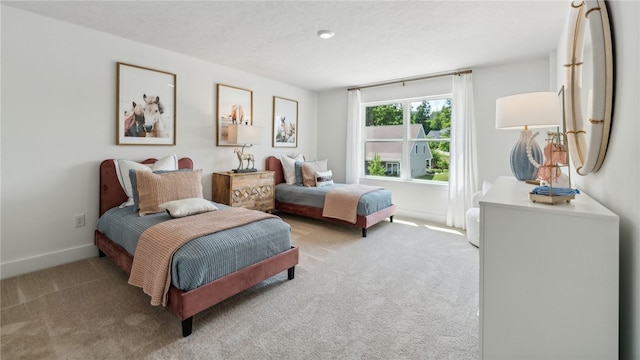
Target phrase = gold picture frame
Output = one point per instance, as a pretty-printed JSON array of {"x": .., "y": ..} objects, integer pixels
[
  {"x": 146, "y": 106},
  {"x": 234, "y": 105},
  {"x": 285, "y": 122}
]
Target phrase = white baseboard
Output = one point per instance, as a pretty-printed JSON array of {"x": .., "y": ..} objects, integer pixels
[
  {"x": 30, "y": 264},
  {"x": 435, "y": 218}
]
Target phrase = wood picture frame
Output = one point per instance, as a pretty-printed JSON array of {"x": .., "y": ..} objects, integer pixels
[
  {"x": 285, "y": 122},
  {"x": 146, "y": 106},
  {"x": 234, "y": 105}
]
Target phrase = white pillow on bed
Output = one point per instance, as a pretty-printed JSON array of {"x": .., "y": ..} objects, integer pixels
[
  {"x": 186, "y": 207},
  {"x": 123, "y": 167},
  {"x": 289, "y": 167}
]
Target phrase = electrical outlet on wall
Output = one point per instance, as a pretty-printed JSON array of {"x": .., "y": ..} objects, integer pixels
[{"x": 78, "y": 220}]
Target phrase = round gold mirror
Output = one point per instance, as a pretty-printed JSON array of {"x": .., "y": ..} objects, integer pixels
[{"x": 588, "y": 136}]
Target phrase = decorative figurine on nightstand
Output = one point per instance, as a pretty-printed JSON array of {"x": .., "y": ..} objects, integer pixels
[
  {"x": 241, "y": 157},
  {"x": 245, "y": 135}
]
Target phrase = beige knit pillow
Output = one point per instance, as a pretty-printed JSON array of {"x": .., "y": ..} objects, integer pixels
[
  {"x": 155, "y": 189},
  {"x": 308, "y": 171}
]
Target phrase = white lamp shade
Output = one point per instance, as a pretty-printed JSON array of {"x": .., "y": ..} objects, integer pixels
[
  {"x": 538, "y": 109},
  {"x": 245, "y": 134}
]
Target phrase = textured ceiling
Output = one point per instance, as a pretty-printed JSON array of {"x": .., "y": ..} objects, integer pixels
[{"x": 375, "y": 40}]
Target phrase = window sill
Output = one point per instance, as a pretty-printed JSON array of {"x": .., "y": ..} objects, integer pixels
[{"x": 368, "y": 179}]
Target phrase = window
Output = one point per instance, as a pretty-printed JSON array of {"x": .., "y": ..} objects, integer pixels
[{"x": 395, "y": 132}]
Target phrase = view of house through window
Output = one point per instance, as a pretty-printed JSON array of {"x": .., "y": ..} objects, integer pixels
[{"x": 408, "y": 139}]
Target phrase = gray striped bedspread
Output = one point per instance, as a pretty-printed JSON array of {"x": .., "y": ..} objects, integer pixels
[
  {"x": 314, "y": 197},
  {"x": 206, "y": 258}
]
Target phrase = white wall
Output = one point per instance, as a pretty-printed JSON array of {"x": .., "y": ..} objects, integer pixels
[
  {"x": 59, "y": 122},
  {"x": 489, "y": 84},
  {"x": 332, "y": 129},
  {"x": 616, "y": 184}
]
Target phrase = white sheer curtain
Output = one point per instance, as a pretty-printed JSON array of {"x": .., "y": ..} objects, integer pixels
[
  {"x": 354, "y": 147},
  {"x": 463, "y": 176}
]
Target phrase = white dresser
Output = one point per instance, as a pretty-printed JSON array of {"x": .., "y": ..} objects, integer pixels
[{"x": 548, "y": 277}]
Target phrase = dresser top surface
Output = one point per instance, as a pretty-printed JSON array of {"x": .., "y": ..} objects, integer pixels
[{"x": 509, "y": 192}]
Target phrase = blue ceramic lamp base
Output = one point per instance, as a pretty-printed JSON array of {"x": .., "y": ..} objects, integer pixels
[{"x": 521, "y": 167}]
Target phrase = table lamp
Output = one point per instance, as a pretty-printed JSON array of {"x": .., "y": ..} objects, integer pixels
[
  {"x": 247, "y": 135},
  {"x": 525, "y": 111}
]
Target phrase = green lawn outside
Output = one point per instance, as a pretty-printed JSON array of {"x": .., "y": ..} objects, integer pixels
[{"x": 436, "y": 177}]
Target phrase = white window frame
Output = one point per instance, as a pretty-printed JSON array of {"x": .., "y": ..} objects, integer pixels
[{"x": 405, "y": 164}]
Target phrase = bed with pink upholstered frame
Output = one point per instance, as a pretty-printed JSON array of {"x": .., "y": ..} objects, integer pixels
[
  {"x": 185, "y": 304},
  {"x": 363, "y": 221}
]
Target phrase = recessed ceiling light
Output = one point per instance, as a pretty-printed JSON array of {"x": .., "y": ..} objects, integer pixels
[{"x": 326, "y": 34}]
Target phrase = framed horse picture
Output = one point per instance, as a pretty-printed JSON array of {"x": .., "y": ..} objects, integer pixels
[
  {"x": 234, "y": 106},
  {"x": 146, "y": 113},
  {"x": 285, "y": 122}
]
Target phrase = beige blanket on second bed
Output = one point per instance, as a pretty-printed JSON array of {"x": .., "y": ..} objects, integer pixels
[
  {"x": 342, "y": 202},
  {"x": 151, "y": 269}
]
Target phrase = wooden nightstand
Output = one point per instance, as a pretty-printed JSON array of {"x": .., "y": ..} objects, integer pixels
[{"x": 253, "y": 190}]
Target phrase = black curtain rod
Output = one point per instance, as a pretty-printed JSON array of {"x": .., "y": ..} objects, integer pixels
[{"x": 458, "y": 73}]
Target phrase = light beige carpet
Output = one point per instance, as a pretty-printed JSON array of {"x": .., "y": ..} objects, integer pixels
[{"x": 404, "y": 292}]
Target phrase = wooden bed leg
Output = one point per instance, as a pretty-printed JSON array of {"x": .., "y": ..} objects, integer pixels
[
  {"x": 391, "y": 218},
  {"x": 364, "y": 232},
  {"x": 187, "y": 325},
  {"x": 291, "y": 272}
]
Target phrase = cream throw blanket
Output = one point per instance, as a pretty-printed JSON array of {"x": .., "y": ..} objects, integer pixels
[
  {"x": 342, "y": 202},
  {"x": 151, "y": 269}
]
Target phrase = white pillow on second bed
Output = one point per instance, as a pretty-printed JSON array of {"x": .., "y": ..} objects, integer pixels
[
  {"x": 289, "y": 167},
  {"x": 122, "y": 171}
]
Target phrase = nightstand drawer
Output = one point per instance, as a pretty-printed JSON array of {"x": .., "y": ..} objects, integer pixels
[{"x": 254, "y": 190}]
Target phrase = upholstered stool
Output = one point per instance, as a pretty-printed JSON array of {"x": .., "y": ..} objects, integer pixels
[
  {"x": 472, "y": 216},
  {"x": 473, "y": 226}
]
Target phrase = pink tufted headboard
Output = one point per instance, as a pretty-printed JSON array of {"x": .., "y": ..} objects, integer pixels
[
  {"x": 111, "y": 193},
  {"x": 274, "y": 164}
]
